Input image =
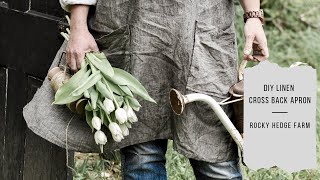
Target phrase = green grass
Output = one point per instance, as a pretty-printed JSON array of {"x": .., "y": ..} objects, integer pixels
[{"x": 293, "y": 33}]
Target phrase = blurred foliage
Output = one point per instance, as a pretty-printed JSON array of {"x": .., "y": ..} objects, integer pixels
[
  {"x": 92, "y": 166},
  {"x": 287, "y": 14},
  {"x": 178, "y": 167},
  {"x": 293, "y": 32}
]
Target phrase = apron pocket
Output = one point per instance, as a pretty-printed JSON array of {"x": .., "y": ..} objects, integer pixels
[
  {"x": 214, "y": 64},
  {"x": 116, "y": 45}
]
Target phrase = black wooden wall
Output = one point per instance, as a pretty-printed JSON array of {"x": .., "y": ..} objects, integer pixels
[{"x": 29, "y": 40}]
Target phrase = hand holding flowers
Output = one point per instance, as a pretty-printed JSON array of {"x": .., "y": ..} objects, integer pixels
[{"x": 108, "y": 93}]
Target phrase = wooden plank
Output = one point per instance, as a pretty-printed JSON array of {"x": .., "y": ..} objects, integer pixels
[
  {"x": 42, "y": 159},
  {"x": 61, "y": 168},
  {"x": 3, "y": 104},
  {"x": 21, "y": 5},
  {"x": 28, "y": 45},
  {"x": 37, "y": 157},
  {"x": 35, "y": 39},
  {"x": 15, "y": 126},
  {"x": 48, "y": 7}
]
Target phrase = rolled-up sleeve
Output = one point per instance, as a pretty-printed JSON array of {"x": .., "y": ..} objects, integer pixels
[{"x": 65, "y": 4}]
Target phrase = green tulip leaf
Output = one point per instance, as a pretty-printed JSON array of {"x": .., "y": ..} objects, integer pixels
[
  {"x": 103, "y": 65},
  {"x": 103, "y": 90},
  {"x": 133, "y": 103},
  {"x": 101, "y": 106},
  {"x": 94, "y": 97},
  {"x": 101, "y": 115},
  {"x": 114, "y": 88},
  {"x": 92, "y": 67},
  {"x": 126, "y": 90},
  {"x": 89, "y": 116},
  {"x": 122, "y": 77},
  {"x": 83, "y": 64},
  {"x": 88, "y": 107},
  {"x": 89, "y": 82},
  {"x": 119, "y": 99},
  {"x": 100, "y": 55},
  {"x": 62, "y": 96}
]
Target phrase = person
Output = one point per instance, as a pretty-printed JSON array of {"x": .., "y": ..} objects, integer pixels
[{"x": 186, "y": 45}]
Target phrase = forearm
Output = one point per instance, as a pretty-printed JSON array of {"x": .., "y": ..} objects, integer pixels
[
  {"x": 79, "y": 15},
  {"x": 250, "y": 5},
  {"x": 81, "y": 40}
]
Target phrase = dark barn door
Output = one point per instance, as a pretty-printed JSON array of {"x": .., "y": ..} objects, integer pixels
[{"x": 29, "y": 39}]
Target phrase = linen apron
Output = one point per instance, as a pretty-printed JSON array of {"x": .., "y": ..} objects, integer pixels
[{"x": 188, "y": 45}]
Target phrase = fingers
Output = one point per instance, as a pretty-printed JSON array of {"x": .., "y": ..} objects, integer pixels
[
  {"x": 95, "y": 48},
  {"x": 265, "y": 50},
  {"x": 75, "y": 53},
  {"x": 259, "y": 48},
  {"x": 248, "y": 47},
  {"x": 73, "y": 64},
  {"x": 74, "y": 59},
  {"x": 79, "y": 59},
  {"x": 263, "y": 46},
  {"x": 68, "y": 58},
  {"x": 81, "y": 54},
  {"x": 262, "y": 53}
]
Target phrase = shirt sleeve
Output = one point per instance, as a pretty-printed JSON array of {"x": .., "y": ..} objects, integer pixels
[{"x": 65, "y": 4}]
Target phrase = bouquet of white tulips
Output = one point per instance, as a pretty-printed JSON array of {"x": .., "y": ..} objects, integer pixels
[{"x": 109, "y": 95}]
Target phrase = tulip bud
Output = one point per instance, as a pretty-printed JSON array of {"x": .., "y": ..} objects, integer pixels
[
  {"x": 121, "y": 115},
  {"x": 115, "y": 132},
  {"x": 96, "y": 123},
  {"x": 100, "y": 137},
  {"x": 124, "y": 129},
  {"x": 132, "y": 117},
  {"x": 109, "y": 106},
  {"x": 86, "y": 94}
]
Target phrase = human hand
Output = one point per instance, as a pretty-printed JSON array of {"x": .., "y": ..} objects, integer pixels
[
  {"x": 255, "y": 40},
  {"x": 80, "y": 42}
]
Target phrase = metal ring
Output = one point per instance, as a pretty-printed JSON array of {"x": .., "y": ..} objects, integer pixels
[{"x": 63, "y": 53}]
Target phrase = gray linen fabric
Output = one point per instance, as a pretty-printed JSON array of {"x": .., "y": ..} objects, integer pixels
[{"x": 184, "y": 44}]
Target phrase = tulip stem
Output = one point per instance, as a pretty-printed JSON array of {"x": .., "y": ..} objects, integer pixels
[
  {"x": 103, "y": 168},
  {"x": 68, "y": 19},
  {"x": 101, "y": 148},
  {"x": 94, "y": 113},
  {"x": 114, "y": 99},
  {"x": 65, "y": 35},
  {"x": 108, "y": 117},
  {"x": 127, "y": 102}
]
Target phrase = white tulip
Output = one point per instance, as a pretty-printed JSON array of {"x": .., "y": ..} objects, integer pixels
[
  {"x": 124, "y": 129},
  {"x": 121, "y": 115},
  {"x": 109, "y": 106},
  {"x": 132, "y": 117},
  {"x": 116, "y": 132},
  {"x": 100, "y": 137},
  {"x": 96, "y": 123}
]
